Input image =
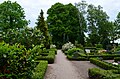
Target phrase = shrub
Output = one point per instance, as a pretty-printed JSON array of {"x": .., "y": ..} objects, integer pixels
[
  {"x": 33, "y": 36},
  {"x": 15, "y": 62},
  {"x": 73, "y": 50},
  {"x": 110, "y": 56},
  {"x": 37, "y": 50},
  {"x": 53, "y": 49},
  {"x": 78, "y": 45},
  {"x": 67, "y": 46},
  {"x": 96, "y": 73},
  {"x": 52, "y": 46},
  {"x": 99, "y": 46},
  {"x": 117, "y": 49},
  {"x": 50, "y": 58},
  {"x": 116, "y": 59},
  {"x": 103, "y": 56},
  {"x": 78, "y": 59},
  {"x": 40, "y": 70}
]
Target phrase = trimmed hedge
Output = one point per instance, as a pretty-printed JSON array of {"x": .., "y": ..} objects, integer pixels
[
  {"x": 40, "y": 70},
  {"x": 50, "y": 58},
  {"x": 116, "y": 59},
  {"x": 44, "y": 54},
  {"x": 73, "y": 50},
  {"x": 53, "y": 49},
  {"x": 95, "y": 73},
  {"x": 78, "y": 58},
  {"x": 104, "y": 56},
  {"x": 103, "y": 64}
]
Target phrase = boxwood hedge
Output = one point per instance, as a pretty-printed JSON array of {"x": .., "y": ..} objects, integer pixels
[
  {"x": 103, "y": 64},
  {"x": 40, "y": 70},
  {"x": 50, "y": 57},
  {"x": 96, "y": 73}
]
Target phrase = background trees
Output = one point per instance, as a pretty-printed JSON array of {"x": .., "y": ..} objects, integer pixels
[
  {"x": 42, "y": 27},
  {"x": 70, "y": 23},
  {"x": 64, "y": 24},
  {"x": 12, "y": 16},
  {"x": 81, "y": 6},
  {"x": 13, "y": 26},
  {"x": 97, "y": 24}
]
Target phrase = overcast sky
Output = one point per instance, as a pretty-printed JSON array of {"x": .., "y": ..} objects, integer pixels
[{"x": 32, "y": 7}]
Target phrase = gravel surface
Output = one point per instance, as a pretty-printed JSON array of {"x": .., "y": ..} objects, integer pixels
[
  {"x": 82, "y": 68},
  {"x": 65, "y": 69}
]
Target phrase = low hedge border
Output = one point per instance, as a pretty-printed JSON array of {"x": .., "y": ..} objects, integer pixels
[
  {"x": 53, "y": 49},
  {"x": 96, "y": 73},
  {"x": 87, "y": 57},
  {"x": 104, "y": 56},
  {"x": 77, "y": 59},
  {"x": 44, "y": 54},
  {"x": 40, "y": 70},
  {"x": 103, "y": 64},
  {"x": 50, "y": 58},
  {"x": 116, "y": 59}
]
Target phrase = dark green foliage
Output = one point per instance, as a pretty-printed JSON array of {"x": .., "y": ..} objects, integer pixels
[
  {"x": 53, "y": 49},
  {"x": 75, "y": 54},
  {"x": 117, "y": 59},
  {"x": 93, "y": 39},
  {"x": 105, "y": 43},
  {"x": 12, "y": 16},
  {"x": 74, "y": 50},
  {"x": 99, "y": 46},
  {"x": 77, "y": 59},
  {"x": 116, "y": 71},
  {"x": 42, "y": 26},
  {"x": 27, "y": 37},
  {"x": 117, "y": 49},
  {"x": 13, "y": 26},
  {"x": 103, "y": 64},
  {"x": 37, "y": 50},
  {"x": 50, "y": 57},
  {"x": 40, "y": 70},
  {"x": 92, "y": 55},
  {"x": 98, "y": 25},
  {"x": 64, "y": 24},
  {"x": 115, "y": 33},
  {"x": 15, "y": 62},
  {"x": 96, "y": 73}
]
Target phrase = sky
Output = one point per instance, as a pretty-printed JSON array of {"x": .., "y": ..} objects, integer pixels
[{"x": 32, "y": 8}]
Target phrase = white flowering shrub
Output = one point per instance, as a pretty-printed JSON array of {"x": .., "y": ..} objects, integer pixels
[
  {"x": 52, "y": 46},
  {"x": 67, "y": 46}
]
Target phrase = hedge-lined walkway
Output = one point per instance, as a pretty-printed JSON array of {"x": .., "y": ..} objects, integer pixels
[{"x": 65, "y": 69}]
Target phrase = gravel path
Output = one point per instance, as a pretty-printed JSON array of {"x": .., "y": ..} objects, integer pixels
[
  {"x": 82, "y": 68},
  {"x": 65, "y": 69}
]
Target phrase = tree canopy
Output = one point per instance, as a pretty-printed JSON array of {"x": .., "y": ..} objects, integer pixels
[
  {"x": 42, "y": 26},
  {"x": 64, "y": 23},
  {"x": 12, "y": 16}
]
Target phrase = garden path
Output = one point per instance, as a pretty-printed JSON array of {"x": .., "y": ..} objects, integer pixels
[{"x": 65, "y": 69}]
